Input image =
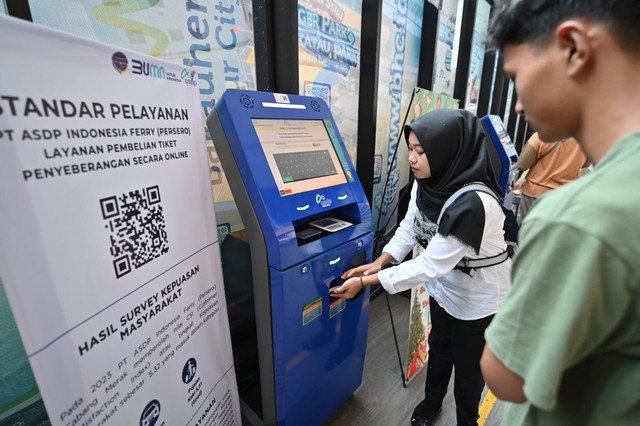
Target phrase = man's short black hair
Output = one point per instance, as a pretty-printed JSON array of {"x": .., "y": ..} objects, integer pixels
[{"x": 534, "y": 21}]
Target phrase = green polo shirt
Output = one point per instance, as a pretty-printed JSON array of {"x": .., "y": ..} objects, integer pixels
[{"x": 570, "y": 325}]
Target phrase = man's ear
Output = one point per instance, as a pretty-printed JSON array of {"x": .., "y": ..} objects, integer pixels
[{"x": 574, "y": 41}]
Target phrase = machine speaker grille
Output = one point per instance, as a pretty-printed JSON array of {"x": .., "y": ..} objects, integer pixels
[{"x": 246, "y": 101}]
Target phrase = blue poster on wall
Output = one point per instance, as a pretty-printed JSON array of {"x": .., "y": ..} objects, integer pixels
[
  {"x": 329, "y": 55},
  {"x": 401, "y": 32},
  {"x": 443, "y": 68},
  {"x": 476, "y": 60}
]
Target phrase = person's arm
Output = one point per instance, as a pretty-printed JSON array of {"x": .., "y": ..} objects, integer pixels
[
  {"x": 439, "y": 258},
  {"x": 369, "y": 268},
  {"x": 402, "y": 242},
  {"x": 528, "y": 157},
  {"x": 404, "y": 238},
  {"x": 504, "y": 383}
]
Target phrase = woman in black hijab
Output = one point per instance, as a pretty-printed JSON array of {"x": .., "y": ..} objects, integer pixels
[{"x": 447, "y": 151}]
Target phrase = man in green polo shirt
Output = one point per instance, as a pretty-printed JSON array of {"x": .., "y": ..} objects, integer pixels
[{"x": 565, "y": 345}]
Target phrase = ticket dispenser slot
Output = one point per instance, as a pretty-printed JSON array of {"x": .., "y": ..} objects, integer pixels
[
  {"x": 314, "y": 227},
  {"x": 307, "y": 221}
]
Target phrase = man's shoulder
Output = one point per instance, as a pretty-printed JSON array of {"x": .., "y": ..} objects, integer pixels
[
  {"x": 597, "y": 206},
  {"x": 606, "y": 191}
]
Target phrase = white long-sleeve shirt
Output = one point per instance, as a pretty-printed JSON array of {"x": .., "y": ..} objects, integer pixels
[{"x": 462, "y": 296}]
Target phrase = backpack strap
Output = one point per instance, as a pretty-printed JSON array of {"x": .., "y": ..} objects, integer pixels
[
  {"x": 476, "y": 186},
  {"x": 557, "y": 144},
  {"x": 466, "y": 264},
  {"x": 483, "y": 262}
]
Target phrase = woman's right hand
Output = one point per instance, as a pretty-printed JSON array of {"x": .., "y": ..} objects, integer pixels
[{"x": 348, "y": 289}]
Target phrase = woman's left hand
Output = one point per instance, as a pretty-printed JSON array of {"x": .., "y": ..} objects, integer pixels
[{"x": 348, "y": 289}]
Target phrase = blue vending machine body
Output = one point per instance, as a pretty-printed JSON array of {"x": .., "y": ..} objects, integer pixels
[
  {"x": 307, "y": 221},
  {"x": 507, "y": 153}
]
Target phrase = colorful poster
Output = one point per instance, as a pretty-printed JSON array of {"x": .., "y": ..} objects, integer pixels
[
  {"x": 419, "y": 329},
  {"x": 477, "y": 55},
  {"x": 109, "y": 253},
  {"x": 329, "y": 54},
  {"x": 400, "y": 37},
  {"x": 215, "y": 35},
  {"x": 444, "y": 77},
  {"x": 423, "y": 101}
]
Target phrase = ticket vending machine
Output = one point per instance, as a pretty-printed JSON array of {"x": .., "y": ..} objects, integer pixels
[
  {"x": 507, "y": 153},
  {"x": 307, "y": 221}
]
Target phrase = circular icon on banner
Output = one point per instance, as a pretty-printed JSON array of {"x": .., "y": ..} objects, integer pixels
[
  {"x": 189, "y": 370},
  {"x": 150, "y": 414},
  {"x": 119, "y": 62}
]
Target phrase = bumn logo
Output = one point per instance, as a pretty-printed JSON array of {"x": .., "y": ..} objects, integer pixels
[{"x": 145, "y": 68}]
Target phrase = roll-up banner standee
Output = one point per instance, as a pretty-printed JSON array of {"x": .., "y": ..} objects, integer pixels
[{"x": 108, "y": 245}]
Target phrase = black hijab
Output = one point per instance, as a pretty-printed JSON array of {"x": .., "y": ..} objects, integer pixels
[{"x": 457, "y": 149}]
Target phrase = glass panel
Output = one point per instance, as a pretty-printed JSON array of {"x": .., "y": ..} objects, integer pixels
[
  {"x": 329, "y": 41},
  {"x": 400, "y": 37},
  {"x": 445, "y": 63},
  {"x": 477, "y": 55},
  {"x": 216, "y": 36}
]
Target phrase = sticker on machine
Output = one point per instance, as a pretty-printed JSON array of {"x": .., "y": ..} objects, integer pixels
[
  {"x": 312, "y": 311},
  {"x": 336, "y": 307}
]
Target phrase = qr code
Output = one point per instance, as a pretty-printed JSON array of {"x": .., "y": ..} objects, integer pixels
[
  {"x": 137, "y": 228},
  {"x": 319, "y": 90}
]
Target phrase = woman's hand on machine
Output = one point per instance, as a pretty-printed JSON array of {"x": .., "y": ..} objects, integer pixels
[
  {"x": 359, "y": 277},
  {"x": 348, "y": 289}
]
